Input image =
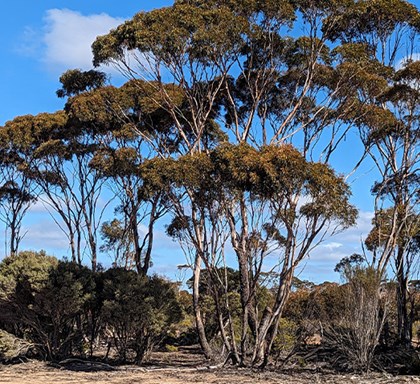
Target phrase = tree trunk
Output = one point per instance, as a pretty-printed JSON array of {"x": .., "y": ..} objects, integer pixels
[
  {"x": 136, "y": 239},
  {"x": 239, "y": 242},
  {"x": 403, "y": 319},
  {"x": 92, "y": 245},
  {"x": 149, "y": 248},
  {"x": 74, "y": 258},
  {"x": 220, "y": 321},
  {"x": 268, "y": 329},
  {"x": 205, "y": 346},
  {"x": 13, "y": 238}
]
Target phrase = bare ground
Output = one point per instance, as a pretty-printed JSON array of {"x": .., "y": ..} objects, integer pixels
[{"x": 178, "y": 368}]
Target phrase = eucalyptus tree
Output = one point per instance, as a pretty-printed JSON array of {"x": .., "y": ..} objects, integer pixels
[
  {"x": 48, "y": 155},
  {"x": 128, "y": 125},
  {"x": 17, "y": 193},
  {"x": 269, "y": 180},
  {"x": 193, "y": 47},
  {"x": 261, "y": 73},
  {"x": 379, "y": 39},
  {"x": 406, "y": 258},
  {"x": 244, "y": 79},
  {"x": 292, "y": 205},
  {"x": 55, "y": 156}
]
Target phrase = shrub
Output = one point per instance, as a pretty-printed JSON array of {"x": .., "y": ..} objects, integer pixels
[
  {"x": 26, "y": 268},
  {"x": 137, "y": 311},
  {"x": 59, "y": 309},
  {"x": 12, "y": 347},
  {"x": 355, "y": 335},
  {"x": 62, "y": 307},
  {"x": 43, "y": 301},
  {"x": 286, "y": 339},
  {"x": 21, "y": 277}
]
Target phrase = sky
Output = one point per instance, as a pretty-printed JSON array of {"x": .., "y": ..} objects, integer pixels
[{"x": 40, "y": 40}]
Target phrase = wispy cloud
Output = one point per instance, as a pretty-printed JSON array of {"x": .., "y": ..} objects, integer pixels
[
  {"x": 30, "y": 42},
  {"x": 324, "y": 258}
]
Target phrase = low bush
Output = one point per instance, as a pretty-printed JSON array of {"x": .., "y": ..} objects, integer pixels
[
  {"x": 137, "y": 311},
  {"x": 64, "y": 309}
]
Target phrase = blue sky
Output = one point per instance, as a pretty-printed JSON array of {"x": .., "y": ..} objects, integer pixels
[{"x": 41, "y": 39}]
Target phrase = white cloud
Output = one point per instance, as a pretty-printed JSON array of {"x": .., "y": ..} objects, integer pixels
[
  {"x": 69, "y": 35},
  {"x": 64, "y": 42},
  {"x": 332, "y": 245}
]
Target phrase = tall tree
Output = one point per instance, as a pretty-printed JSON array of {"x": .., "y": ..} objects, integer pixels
[
  {"x": 129, "y": 125},
  {"x": 56, "y": 158},
  {"x": 261, "y": 73},
  {"x": 379, "y": 38},
  {"x": 270, "y": 182},
  {"x": 17, "y": 193}
]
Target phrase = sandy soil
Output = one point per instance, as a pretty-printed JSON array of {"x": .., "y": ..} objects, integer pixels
[{"x": 177, "y": 368}]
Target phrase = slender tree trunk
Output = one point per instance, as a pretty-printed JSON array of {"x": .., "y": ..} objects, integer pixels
[
  {"x": 92, "y": 246},
  {"x": 403, "y": 319},
  {"x": 235, "y": 354},
  {"x": 79, "y": 245},
  {"x": 205, "y": 346},
  {"x": 136, "y": 238},
  {"x": 239, "y": 242},
  {"x": 219, "y": 316},
  {"x": 13, "y": 238},
  {"x": 268, "y": 329},
  {"x": 148, "y": 253},
  {"x": 74, "y": 258},
  {"x": 248, "y": 318}
]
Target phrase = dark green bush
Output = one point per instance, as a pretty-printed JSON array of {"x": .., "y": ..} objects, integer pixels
[
  {"x": 44, "y": 301},
  {"x": 64, "y": 309},
  {"x": 137, "y": 310}
]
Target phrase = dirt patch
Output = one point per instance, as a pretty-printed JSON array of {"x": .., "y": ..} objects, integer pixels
[{"x": 181, "y": 367}]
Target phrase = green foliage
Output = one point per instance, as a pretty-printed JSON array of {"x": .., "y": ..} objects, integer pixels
[
  {"x": 25, "y": 133},
  {"x": 75, "y": 81},
  {"x": 171, "y": 348},
  {"x": 381, "y": 232},
  {"x": 312, "y": 308},
  {"x": 355, "y": 20},
  {"x": 242, "y": 77},
  {"x": 347, "y": 263},
  {"x": 135, "y": 311},
  {"x": 12, "y": 347},
  {"x": 26, "y": 268},
  {"x": 43, "y": 301},
  {"x": 58, "y": 306},
  {"x": 172, "y": 32},
  {"x": 286, "y": 338},
  {"x": 274, "y": 172},
  {"x": 118, "y": 242}
]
